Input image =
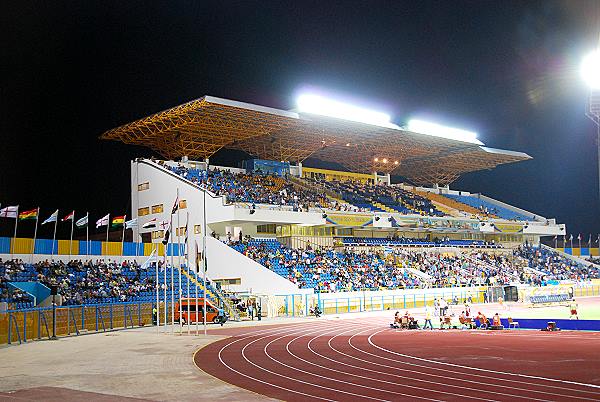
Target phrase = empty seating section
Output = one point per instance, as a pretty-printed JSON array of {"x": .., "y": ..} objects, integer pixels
[
  {"x": 487, "y": 208},
  {"x": 100, "y": 282}
]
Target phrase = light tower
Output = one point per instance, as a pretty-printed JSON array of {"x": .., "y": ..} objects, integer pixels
[{"x": 590, "y": 71}]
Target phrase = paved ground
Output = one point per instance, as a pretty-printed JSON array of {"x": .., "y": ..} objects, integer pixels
[
  {"x": 139, "y": 363},
  {"x": 134, "y": 363}
]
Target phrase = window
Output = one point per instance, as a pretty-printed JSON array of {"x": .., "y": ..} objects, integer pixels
[
  {"x": 143, "y": 211},
  {"x": 267, "y": 229},
  {"x": 143, "y": 186},
  {"x": 157, "y": 209},
  {"x": 181, "y": 231},
  {"x": 158, "y": 235},
  {"x": 182, "y": 204},
  {"x": 197, "y": 229}
]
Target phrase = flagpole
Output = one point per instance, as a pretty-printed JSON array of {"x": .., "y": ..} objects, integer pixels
[
  {"x": 123, "y": 238},
  {"x": 172, "y": 279},
  {"x": 204, "y": 261},
  {"x": 87, "y": 235},
  {"x": 179, "y": 261},
  {"x": 54, "y": 235},
  {"x": 555, "y": 241},
  {"x": 197, "y": 276},
  {"x": 71, "y": 242},
  {"x": 12, "y": 248},
  {"x": 37, "y": 218},
  {"x": 579, "y": 238},
  {"x": 107, "y": 228},
  {"x": 186, "y": 249},
  {"x": 165, "y": 288},
  {"x": 156, "y": 289}
]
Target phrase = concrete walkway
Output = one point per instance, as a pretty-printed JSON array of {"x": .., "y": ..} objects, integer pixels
[{"x": 136, "y": 363}]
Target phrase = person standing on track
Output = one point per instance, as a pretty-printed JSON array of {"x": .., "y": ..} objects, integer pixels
[
  {"x": 573, "y": 308},
  {"x": 428, "y": 315}
]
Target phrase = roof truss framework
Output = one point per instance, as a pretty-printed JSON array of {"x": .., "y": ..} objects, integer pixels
[{"x": 200, "y": 128}]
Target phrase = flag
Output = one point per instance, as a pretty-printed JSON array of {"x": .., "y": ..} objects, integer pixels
[
  {"x": 571, "y": 237},
  {"x": 102, "y": 221},
  {"x": 175, "y": 206},
  {"x": 31, "y": 214},
  {"x": 165, "y": 239},
  {"x": 147, "y": 263},
  {"x": 69, "y": 217},
  {"x": 131, "y": 224},
  {"x": 51, "y": 218},
  {"x": 118, "y": 221},
  {"x": 83, "y": 222},
  {"x": 151, "y": 224},
  {"x": 9, "y": 212},
  {"x": 579, "y": 237}
]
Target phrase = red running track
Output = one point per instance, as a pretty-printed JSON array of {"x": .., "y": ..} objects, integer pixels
[{"x": 363, "y": 359}]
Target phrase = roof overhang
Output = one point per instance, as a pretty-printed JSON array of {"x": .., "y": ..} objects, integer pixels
[{"x": 200, "y": 128}]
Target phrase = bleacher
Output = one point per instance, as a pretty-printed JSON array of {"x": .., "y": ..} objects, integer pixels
[
  {"x": 412, "y": 242},
  {"x": 99, "y": 283},
  {"x": 488, "y": 208}
]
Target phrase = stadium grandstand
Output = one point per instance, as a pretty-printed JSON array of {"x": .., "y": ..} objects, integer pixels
[
  {"x": 275, "y": 238},
  {"x": 276, "y": 227}
]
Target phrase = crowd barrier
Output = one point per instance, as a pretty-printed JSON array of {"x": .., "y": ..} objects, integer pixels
[
  {"x": 301, "y": 304},
  {"x": 20, "y": 326}
]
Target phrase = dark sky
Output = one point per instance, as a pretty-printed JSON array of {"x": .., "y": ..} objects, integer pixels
[{"x": 506, "y": 69}]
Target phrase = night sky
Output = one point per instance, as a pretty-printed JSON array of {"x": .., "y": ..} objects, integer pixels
[{"x": 508, "y": 70}]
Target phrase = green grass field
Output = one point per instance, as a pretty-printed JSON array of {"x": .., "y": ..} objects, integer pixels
[{"x": 589, "y": 309}]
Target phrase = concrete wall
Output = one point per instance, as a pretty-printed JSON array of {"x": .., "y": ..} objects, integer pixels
[{"x": 226, "y": 263}]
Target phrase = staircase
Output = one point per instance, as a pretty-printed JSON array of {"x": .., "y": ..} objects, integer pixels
[{"x": 213, "y": 294}]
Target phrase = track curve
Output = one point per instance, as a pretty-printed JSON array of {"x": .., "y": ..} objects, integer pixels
[{"x": 350, "y": 359}]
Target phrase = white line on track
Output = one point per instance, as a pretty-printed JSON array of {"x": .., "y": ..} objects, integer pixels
[
  {"x": 477, "y": 368},
  {"x": 512, "y": 387},
  {"x": 354, "y": 327},
  {"x": 378, "y": 372},
  {"x": 355, "y": 324},
  {"x": 426, "y": 374}
]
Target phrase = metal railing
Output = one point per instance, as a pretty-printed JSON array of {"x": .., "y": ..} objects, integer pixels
[{"x": 46, "y": 322}]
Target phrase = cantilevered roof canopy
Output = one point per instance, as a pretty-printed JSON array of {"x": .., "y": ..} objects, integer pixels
[{"x": 200, "y": 128}]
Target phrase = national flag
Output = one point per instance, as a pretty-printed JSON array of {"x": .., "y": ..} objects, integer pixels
[
  {"x": 9, "y": 212},
  {"x": 579, "y": 237},
  {"x": 175, "y": 206},
  {"x": 69, "y": 217},
  {"x": 31, "y": 214},
  {"x": 83, "y": 222},
  {"x": 165, "y": 239},
  {"x": 118, "y": 221},
  {"x": 51, "y": 218},
  {"x": 131, "y": 224},
  {"x": 151, "y": 224},
  {"x": 104, "y": 221}
]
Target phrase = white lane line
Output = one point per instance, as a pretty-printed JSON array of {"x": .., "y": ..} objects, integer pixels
[
  {"x": 374, "y": 371},
  {"x": 353, "y": 327},
  {"x": 581, "y": 384},
  {"x": 298, "y": 380},
  {"x": 261, "y": 381},
  {"x": 408, "y": 333},
  {"x": 441, "y": 376}
]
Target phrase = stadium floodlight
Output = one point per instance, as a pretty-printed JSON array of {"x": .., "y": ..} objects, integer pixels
[
  {"x": 590, "y": 70},
  {"x": 316, "y": 104},
  {"x": 428, "y": 128}
]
